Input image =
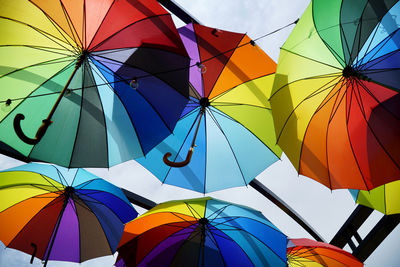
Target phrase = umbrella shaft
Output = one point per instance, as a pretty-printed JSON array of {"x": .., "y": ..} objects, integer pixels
[
  {"x": 78, "y": 64},
  {"x": 56, "y": 229}
]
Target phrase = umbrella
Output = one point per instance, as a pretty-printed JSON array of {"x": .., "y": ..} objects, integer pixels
[
  {"x": 225, "y": 135},
  {"x": 201, "y": 232},
  {"x": 307, "y": 252},
  {"x": 385, "y": 198},
  {"x": 92, "y": 79},
  {"x": 62, "y": 214},
  {"x": 333, "y": 99}
]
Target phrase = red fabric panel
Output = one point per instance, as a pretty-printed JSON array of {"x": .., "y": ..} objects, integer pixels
[
  {"x": 39, "y": 230},
  {"x": 215, "y": 46}
]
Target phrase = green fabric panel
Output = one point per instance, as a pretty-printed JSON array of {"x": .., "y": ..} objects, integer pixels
[
  {"x": 35, "y": 109},
  {"x": 57, "y": 144},
  {"x": 350, "y": 22},
  {"x": 326, "y": 16},
  {"x": 91, "y": 139},
  {"x": 361, "y": 17}
]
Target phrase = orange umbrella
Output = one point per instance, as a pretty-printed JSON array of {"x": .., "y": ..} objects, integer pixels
[{"x": 307, "y": 252}]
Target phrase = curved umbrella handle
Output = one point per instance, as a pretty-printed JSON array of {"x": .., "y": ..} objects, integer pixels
[
  {"x": 178, "y": 164},
  {"x": 39, "y": 134}
]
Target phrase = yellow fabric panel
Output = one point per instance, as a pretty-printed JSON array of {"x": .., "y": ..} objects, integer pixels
[
  {"x": 385, "y": 198},
  {"x": 298, "y": 261},
  {"x": 12, "y": 220},
  {"x": 197, "y": 207},
  {"x": 293, "y": 107},
  {"x": 251, "y": 109},
  {"x": 28, "y": 25},
  {"x": 56, "y": 11},
  {"x": 246, "y": 63}
]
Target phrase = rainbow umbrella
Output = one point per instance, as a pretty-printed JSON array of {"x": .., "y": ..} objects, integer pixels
[
  {"x": 91, "y": 77},
  {"x": 201, "y": 232},
  {"x": 336, "y": 93},
  {"x": 225, "y": 135},
  {"x": 61, "y": 214},
  {"x": 385, "y": 198},
  {"x": 307, "y": 252}
]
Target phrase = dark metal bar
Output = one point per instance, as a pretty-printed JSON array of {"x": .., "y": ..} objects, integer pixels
[
  {"x": 353, "y": 223},
  {"x": 178, "y": 11},
  {"x": 257, "y": 185},
  {"x": 375, "y": 237},
  {"x": 139, "y": 200}
]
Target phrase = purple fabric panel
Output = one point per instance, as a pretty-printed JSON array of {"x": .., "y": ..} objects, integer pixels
[
  {"x": 66, "y": 243},
  {"x": 189, "y": 40},
  {"x": 164, "y": 253}
]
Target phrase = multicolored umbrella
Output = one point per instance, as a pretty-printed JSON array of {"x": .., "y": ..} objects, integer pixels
[
  {"x": 201, "y": 232},
  {"x": 385, "y": 198},
  {"x": 225, "y": 135},
  {"x": 104, "y": 81},
  {"x": 335, "y": 93},
  {"x": 306, "y": 252},
  {"x": 61, "y": 214}
]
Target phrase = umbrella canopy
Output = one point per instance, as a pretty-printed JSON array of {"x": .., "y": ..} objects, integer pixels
[
  {"x": 61, "y": 214},
  {"x": 307, "y": 252},
  {"x": 385, "y": 198},
  {"x": 227, "y": 125},
  {"x": 104, "y": 81},
  {"x": 333, "y": 99},
  {"x": 201, "y": 232}
]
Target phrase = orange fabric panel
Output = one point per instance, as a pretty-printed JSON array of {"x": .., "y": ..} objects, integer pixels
[
  {"x": 246, "y": 63},
  {"x": 75, "y": 10},
  {"x": 13, "y": 219},
  {"x": 145, "y": 223},
  {"x": 55, "y": 11},
  {"x": 343, "y": 167},
  {"x": 313, "y": 160}
]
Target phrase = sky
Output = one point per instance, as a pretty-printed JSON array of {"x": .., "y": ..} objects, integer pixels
[{"x": 323, "y": 209}]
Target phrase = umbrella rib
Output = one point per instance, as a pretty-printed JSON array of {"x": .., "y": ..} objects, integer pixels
[
  {"x": 351, "y": 146},
  {"x": 183, "y": 219},
  {"x": 124, "y": 28},
  {"x": 57, "y": 27},
  {"x": 370, "y": 69},
  {"x": 217, "y": 212},
  {"x": 373, "y": 132},
  {"x": 101, "y": 23},
  {"x": 106, "y": 69},
  {"x": 314, "y": 60},
  {"x": 250, "y": 234},
  {"x": 137, "y": 67},
  {"x": 367, "y": 51},
  {"x": 191, "y": 209},
  {"x": 230, "y": 146},
  {"x": 45, "y": 34},
  {"x": 277, "y": 30},
  {"x": 70, "y": 24},
  {"x": 53, "y": 50},
  {"x": 319, "y": 90},
  {"x": 345, "y": 40},
  {"x": 43, "y": 63},
  {"x": 381, "y": 58},
  {"x": 183, "y": 143},
  {"x": 210, "y": 235}
]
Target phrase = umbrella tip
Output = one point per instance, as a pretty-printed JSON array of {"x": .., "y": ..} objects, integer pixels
[{"x": 203, "y": 221}]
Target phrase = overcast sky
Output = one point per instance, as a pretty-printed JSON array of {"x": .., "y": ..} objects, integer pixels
[{"x": 325, "y": 210}]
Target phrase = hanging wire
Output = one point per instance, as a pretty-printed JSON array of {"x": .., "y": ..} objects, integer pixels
[{"x": 128, "y": 81}]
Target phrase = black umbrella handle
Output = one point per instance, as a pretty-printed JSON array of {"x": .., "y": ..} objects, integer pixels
[{"x": 39, "y": 134}]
